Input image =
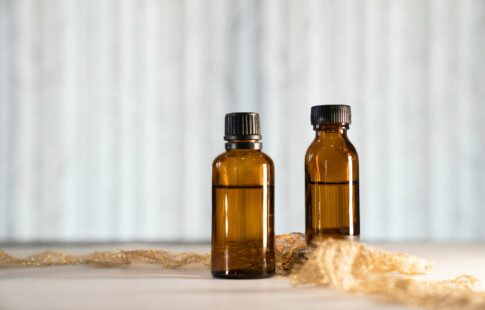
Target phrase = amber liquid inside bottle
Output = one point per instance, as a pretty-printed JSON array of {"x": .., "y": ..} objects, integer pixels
[
  {"x": 242, "y": 215},
  {"x": 332, "y": 185}
]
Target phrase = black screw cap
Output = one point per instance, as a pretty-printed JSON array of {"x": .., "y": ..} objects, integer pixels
[
  {"x": 334, "y": 113},
  {"x": 242, "y": 126}
]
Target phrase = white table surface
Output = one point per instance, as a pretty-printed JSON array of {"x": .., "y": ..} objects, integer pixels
[{"x": 150, "y": 287}]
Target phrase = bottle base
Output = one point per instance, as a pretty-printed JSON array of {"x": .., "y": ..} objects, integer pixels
[{"x": 241, "y": 274}]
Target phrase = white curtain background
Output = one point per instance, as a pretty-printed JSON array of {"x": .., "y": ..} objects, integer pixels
[{"x": 111, "y": 112}]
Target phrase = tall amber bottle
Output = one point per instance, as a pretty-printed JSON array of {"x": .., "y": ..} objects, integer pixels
[
  {"x": 331, "y": 177},
  {"x": 242, "y": 203}
]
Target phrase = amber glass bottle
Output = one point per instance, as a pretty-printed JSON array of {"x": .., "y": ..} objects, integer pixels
[
  {"x": 331, "y": 177},
  {"x": 242, "y": 203}
]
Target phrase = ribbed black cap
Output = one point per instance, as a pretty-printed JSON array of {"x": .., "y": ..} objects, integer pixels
[
  {"x": 334, "y": 113},
  {"x": 242, "y": 126}
]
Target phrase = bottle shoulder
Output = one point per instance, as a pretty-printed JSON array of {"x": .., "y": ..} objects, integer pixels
[
  {"x": 219, "y": 159},
  {"x": 241, "y": 167},
  {"x": 268, "y": 159},
  {"x": 249, "y": 157},
  {"x": 333, "y": 147},
  {"x": 331, "y": 160}
]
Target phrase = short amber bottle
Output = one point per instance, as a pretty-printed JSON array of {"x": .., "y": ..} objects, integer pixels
[
  {"x": 242, "y": 203},
  {"x": 331, "y": 177}
]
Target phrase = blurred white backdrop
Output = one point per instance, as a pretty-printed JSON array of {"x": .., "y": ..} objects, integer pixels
[{"x": 111, "y": 112}]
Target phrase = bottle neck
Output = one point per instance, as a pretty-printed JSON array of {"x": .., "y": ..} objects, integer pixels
[
  {"x": 243, "y": 145},
  {"x": 331, "y": 129}
]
